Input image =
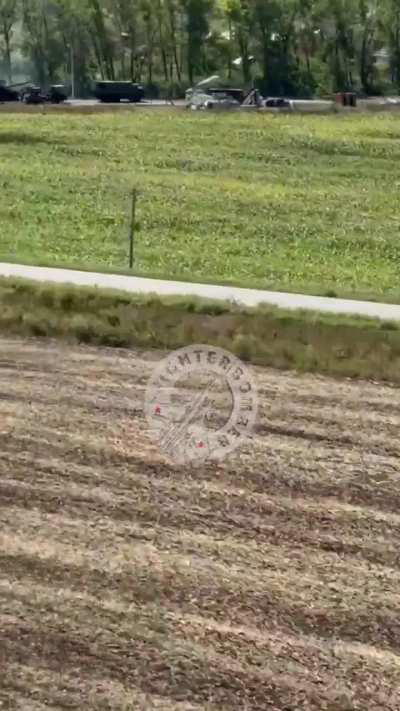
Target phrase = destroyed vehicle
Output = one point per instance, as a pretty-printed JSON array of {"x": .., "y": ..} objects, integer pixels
[
  {"x": 236, "y": 95},
  {"x": 56, "y": 94},
  {"x": 35, "y": 95},
  {"x": 116, "y": 91},
  {"x": 8, "y": 94},
  {"x": 32, "y": 95},
  {"x": 208, "y": 94},
  {"x": 214, "y": 99},
  {"x": 276, "y": 103}
]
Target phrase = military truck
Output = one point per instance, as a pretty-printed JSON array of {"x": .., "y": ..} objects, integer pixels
[
  {"x": 7, "y": 93},
  {"x": 115, "y": 91}
]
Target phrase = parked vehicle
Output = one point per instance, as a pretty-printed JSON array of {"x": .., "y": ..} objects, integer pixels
[
  {"x": 35, "y": 95},
  {"x": 208, "y": 95},
  {"x": 276, "y": 103},
  {"x": 115, "y": 91},
  {"x": 57, "y": 94},
  {"x": 32, "y": 95},
  {"x": 214, "y": 99},
  {"x": 8, "y": 94}
]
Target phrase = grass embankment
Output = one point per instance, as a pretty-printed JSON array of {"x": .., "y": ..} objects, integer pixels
[
  {"x": 266, "y": 336},
  {"x": 303, "y": 203}
]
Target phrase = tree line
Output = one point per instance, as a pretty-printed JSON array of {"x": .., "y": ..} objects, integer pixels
[{"x": 285, "y": 47}]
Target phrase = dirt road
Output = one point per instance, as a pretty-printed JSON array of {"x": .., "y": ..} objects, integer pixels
[{"x": 270, "y": 581}]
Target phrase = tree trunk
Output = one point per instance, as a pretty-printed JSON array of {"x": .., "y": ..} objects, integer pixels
[
  {"x": 230, "y": 48},
  {"x": 98, "y": 55},
  {"x": 131, "y": 66},
  {"x": 172, "y": 24},
  {"x": 164, "y": 63},
  {"x": 244, "y": 53},
  {"x": 104, "y": 44},
  {"x": 364, "y": 64},
  {"x": 7, "y": 53}
]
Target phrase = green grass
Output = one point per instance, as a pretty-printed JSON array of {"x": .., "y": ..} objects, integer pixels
[
  {"x": 305, "y": 341},
  {"x": 299, "y": 203}
]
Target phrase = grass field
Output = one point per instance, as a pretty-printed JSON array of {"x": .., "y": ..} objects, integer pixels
[
  {"x": 290, "y": 202},
  {"x": 270, "y": 581}
]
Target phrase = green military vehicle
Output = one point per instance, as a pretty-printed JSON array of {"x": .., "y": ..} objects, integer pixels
[{"x": 116, "y": 91}]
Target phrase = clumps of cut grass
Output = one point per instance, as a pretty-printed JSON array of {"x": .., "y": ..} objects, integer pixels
[{"x": 302, "y": 340}]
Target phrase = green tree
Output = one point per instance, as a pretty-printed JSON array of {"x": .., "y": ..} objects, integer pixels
[
  {"x": 390, "y": 27},
  {"x": 8, "y": 18},
  {"x": 296, "y": 45},
  {"x": 197, "y": 16}
]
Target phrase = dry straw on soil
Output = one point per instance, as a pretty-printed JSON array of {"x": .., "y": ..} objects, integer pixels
[{"x": 268, "y": 582}]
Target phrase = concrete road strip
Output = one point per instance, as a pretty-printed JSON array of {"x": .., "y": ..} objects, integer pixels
[{"x": 246, "y": 297}]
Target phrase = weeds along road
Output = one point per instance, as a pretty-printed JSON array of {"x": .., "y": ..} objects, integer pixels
[
  {"x": 269, "y": 581},
  {"x": 163, "y": 287}
]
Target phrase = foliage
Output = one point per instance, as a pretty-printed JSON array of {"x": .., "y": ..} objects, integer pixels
[{"x": 284, "y": 44}]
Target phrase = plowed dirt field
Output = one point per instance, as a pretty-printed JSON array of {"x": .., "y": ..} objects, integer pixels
[{"x": 269, "y": 581}]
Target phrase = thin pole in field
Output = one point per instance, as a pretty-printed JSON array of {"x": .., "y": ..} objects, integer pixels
[{"x": 132, "y": 227}]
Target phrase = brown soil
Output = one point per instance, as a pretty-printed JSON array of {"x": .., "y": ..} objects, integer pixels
[{"x": 269, "y": 581}]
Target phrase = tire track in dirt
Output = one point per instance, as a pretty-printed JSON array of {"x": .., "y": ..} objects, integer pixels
[
  {"x": 270, "y": 580},
  {"x": 274, "y": 650},
  {"x": 265, "y": 519},
  {"x": 146, "y": 573}
]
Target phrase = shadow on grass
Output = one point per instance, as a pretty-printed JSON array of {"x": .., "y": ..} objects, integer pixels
[{"x": 22, "y": 138}]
